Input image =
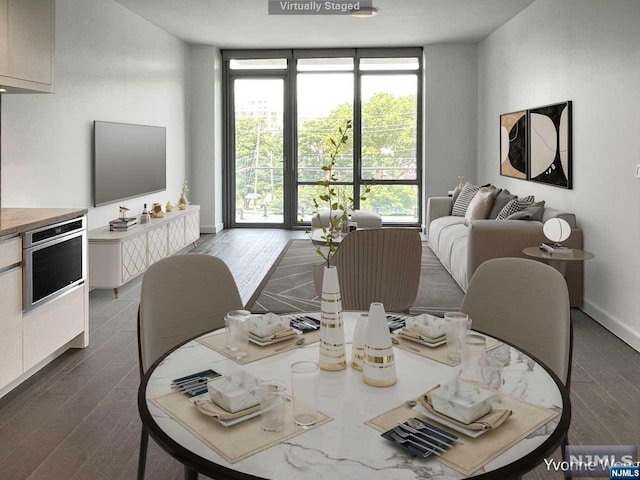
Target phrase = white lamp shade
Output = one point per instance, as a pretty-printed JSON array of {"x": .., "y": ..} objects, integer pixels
[{"x": 556, "y": 229}]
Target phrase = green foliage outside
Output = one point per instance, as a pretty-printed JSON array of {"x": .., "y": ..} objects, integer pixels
[{"x": 388, "y": 152}]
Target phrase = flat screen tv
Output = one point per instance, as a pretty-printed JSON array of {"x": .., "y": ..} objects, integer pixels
[{"x": 129, "y": 161}]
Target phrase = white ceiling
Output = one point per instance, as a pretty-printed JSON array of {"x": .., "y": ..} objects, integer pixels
[{"x": 247, "y": 24}]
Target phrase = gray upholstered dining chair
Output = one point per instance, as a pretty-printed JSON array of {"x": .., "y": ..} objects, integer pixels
[
  {"x": 379, "y": 265},
  {"x": 525, "y": 303},
  {"x": 182, "y": 296}
]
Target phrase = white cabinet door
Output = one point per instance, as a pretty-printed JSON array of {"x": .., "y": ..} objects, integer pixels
[
  {"x": 192, "y": 227},
  {"x": 134, "y": 257},
  {"x": 156, "y": 244},
  {"x": 176, "y": 235},
  {"x": 10, "y": 325}
]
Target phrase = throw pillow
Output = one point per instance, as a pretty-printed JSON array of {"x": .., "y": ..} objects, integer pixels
[
  {"x": 501, "y": 200},
  {"x": 480, "y": 206},
  {"x": 514, "y": 206},
  {"x": 532, "y": 212},
  {"x": 464, "y": 199}
]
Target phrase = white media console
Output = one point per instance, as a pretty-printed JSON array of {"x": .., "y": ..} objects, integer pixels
[{"x": 117, "y": 257}]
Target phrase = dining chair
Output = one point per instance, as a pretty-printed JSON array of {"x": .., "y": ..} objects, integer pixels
[
  {"x": 378, "y": 265},
  {"x": 526, "y": 303},
  {"x": 182, "y": 296}
]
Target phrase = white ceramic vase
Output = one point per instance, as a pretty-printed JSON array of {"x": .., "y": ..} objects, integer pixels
[
  {"x": 359, "y": 341},
  {"x": 332, "y": 351},
  {"x": 379, "y": 362}
]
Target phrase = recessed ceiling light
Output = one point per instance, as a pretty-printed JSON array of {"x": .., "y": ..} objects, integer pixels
[
  {"x": 365, "y": 12},
  {"x": 3, "y": 90}
]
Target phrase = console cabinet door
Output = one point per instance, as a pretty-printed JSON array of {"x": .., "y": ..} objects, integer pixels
[
  {"x": 156, "y": 244},
  {"x": 176, "y": 235},
  {"x": 10, "y": 325},
  {"x": 134, "y": 257},
  {"x": 192, "y": 227}
]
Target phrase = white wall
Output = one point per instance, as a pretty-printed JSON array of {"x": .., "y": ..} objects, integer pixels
[
  {"x": 206, "y": 135},
  {"x": 110, "y": 65},
  {"x": 450, "y": 105},
  {"x": 587, "y": 52}
]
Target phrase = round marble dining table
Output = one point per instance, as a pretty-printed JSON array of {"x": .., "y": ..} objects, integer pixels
[{"x": 346, "y": 448}]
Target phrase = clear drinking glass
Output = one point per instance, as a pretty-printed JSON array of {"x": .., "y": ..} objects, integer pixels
[
  {"x": 474, "y": 354},
  {"x": 273, "y": 395},
  {"x": 492, "y": 374},
  {"x": 238, "y": 334},
  {"x": 458, "y": 324},
  {"x": 233, "y": 313},
  {"x": 304, "y": 386}
]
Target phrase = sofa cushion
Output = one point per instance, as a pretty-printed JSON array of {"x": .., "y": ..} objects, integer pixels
[
  {"x": 532, "y": 212},
  {"x": 449, "y": 241},
  {"x": 480, "y": 206},
  {"x": 464, "y": 199},
  {"x": 436, "y": 228},
  {"x": 515, "y": 205},
  {"x": 501, "y": 200}
]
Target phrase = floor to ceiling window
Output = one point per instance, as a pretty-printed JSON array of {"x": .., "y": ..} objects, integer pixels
[{"x": 281, "y": 106}]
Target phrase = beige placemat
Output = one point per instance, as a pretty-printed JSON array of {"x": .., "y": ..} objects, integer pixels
[
  {"x": 236, "y": 442},
  {"x": 439, "y": 354},
  {"x": 218, "y": 342},
  {"x": 475, "y": 453}
]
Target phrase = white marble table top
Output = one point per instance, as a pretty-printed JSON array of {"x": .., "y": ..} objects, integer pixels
[{"x": 346, "y": 448}]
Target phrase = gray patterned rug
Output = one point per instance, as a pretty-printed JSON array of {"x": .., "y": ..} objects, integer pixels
[{"x": 289, "y": 286}]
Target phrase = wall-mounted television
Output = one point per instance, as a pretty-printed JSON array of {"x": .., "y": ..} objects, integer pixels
[{"x": 128, "y": 161}]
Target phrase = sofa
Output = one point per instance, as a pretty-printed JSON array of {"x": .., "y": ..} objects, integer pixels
[
  {"x": 463, "y": 248},
  {"x": 363, "y": 218}
]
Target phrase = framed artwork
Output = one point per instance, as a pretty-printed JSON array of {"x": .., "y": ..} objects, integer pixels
[
  {"x": 513, "y": 145},
  {"x": 550, "y": 145}
]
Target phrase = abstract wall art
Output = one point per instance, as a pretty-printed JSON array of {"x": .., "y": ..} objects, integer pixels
[
  {"x": 513, "y": 144},
  {"x": 550, "y": 145}
]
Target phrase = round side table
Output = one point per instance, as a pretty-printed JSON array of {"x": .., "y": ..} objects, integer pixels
[{"x": 558, "y": 261}]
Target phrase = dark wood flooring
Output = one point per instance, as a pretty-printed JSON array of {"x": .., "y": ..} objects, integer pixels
[{"x": 77, "y": 419}]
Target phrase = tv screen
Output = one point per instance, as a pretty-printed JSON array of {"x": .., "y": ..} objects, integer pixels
[{"x": 129, "y": 161}]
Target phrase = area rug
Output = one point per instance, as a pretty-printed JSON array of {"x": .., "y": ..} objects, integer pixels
[{"x": 288, "y": 287}]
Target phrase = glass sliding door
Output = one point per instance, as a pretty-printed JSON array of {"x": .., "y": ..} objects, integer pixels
[{"x": 259, "y": 150}]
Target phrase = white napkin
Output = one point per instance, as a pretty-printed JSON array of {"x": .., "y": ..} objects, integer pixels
[
  {"x": 427, "y": 325},
  {"x": 267, "y": 324}
]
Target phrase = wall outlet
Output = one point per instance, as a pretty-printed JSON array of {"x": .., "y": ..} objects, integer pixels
[{"x": 638, "y": 170}]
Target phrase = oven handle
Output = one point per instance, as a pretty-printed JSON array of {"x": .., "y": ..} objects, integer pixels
[{"x": 27, "y": 287}]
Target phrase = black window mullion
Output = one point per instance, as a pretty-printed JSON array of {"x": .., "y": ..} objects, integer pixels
[{"x": 357, "y": 134}]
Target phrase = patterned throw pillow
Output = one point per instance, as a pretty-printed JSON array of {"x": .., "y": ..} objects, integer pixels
[
  {"x": 515, "y": 205},
  {"x": 464, "y": 199}
]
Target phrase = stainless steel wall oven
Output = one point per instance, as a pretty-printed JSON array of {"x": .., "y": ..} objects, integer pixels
[{"x": 54, "y": 261}]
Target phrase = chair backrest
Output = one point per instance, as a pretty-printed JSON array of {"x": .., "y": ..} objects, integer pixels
[
  {"x": 379, "y": 265},
  {"x": 182, "y": 296},
  {"x": 526, "y": 303}
]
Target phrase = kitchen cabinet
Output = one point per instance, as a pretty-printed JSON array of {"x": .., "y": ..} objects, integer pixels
[
  {"x": 11, "y": 311},
  {"x": 27, "y": 45}
]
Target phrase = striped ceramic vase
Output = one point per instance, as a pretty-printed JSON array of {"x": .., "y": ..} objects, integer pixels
[
  {"x": 332, "y": 351},
  {"x": 379, "y": 362}
]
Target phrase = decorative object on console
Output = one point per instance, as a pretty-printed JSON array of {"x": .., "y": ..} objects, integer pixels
[
  {"x": 460, "y": 182},
  {"x": 183, "y": 202},
  {"x": 168, "y": 207},
  {"x": 144, "y": 218},
  {"x": 123, "y": 212},
  {"x": 332, "y": 351},
  {"x": 513, "y": 144},
  {"x": 379, "y": 361},
  {"x": 550, "y": 145},
  {"x": 156, "y": 211}
]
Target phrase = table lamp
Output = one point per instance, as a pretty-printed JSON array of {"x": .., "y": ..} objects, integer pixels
[{"x": 557, "y": 230}]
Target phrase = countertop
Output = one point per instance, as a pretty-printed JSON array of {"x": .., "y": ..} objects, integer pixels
[{"x": 18, "y": 220}]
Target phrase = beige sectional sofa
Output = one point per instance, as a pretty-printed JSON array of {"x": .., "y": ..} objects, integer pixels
[{"x": 461, "y": 249}]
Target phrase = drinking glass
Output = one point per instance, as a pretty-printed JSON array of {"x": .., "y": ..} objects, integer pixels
[
  {"x": 227, "y": 331},
  {"x": 238, "y": 336},
  {"x": 457, "y": 325},
  {"x": 272, "y": 404},
  {"x": 304, "y": 386},
  {"x": 474, "y": 354}
]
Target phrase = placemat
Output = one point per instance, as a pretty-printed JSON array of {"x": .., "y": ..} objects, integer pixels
[
  {"x": 236, "y": 442},
  {"x": 439, "y": 354},
  {"x": 477, "y": 452},
  {"x": 218, "y": 342}
]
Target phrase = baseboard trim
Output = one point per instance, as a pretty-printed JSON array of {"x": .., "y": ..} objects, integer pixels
[
  {"x": 212, "y": 228},
  {"x": 613, "y": 324}
]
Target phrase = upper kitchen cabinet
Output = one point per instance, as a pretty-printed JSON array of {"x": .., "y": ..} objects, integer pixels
[{"x": 27, "y": 45}]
